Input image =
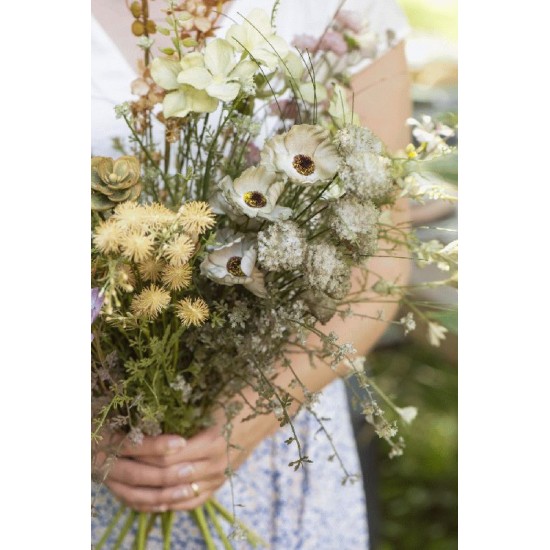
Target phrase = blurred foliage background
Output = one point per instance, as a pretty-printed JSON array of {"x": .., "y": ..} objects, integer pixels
[{"x": 412, "y": 499}]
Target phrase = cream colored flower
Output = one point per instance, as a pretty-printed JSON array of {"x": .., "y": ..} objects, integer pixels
[
  {"x": 407, "y": 414},
  {"x": 256, "y": 37},
  {"x": 182, "y": 99},
  {"x": 255, "y": 193},
  {"x": 234, "y": 263},
  {"x": 151, "y": 269},
  {"x": 305, "y": 154},
  {"x": 177, "y": 277},
  {"x": 150, "y": 302},
  {"x": 179, "y": 250},
  {"x": 137, "y": 247},
  {"x": 108, "y": 236},
  {"x": 196, "y": 217},
  {"x": 192, "y": 312},
  {"x": 217, "y": 72}
]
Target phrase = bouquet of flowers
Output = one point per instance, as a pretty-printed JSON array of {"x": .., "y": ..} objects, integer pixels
[{"x": 218, "y": 245}]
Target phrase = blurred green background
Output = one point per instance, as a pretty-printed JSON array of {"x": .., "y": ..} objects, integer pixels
[{"x": 413, "y": 499}]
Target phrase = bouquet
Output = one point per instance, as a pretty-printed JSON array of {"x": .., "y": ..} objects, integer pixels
[{"x": 218, "y": 246}]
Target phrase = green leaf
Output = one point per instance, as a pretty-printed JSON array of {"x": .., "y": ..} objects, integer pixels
[
  {"x": 445, "y": 166},
  {"x": 449, "y": 319}
]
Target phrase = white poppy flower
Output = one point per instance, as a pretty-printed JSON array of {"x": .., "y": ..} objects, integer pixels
[
  {"x": 233, "y": 262},
  {"x": 255, "y": 193},
  {"x": 305, "y": 154},
  {"x": 217, "y": 72},
  {"x": 256, "y": 37},
  {"x": 181, "y": 99}
]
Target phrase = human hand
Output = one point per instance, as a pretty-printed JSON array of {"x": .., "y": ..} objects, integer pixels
[{"x": 167, "y": 472}]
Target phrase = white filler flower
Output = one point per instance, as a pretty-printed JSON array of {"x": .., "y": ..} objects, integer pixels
[
  {"x": 305, "y": 154},
  {"x": 255, "y": 193},
  {"x": 233, "y": 262}
]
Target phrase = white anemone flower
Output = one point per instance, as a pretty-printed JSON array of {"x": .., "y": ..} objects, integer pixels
[
  {"x": 305, "y": 154},
  {"x": 256, "y": 36},
  {"x": 233, "y": 262},
  {"x": 216, "y": 72},
  {"x": 255, "y": 193},
  {"x": 181, "y": 99}
]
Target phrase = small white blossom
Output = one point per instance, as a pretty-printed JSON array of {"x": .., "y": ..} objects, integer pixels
[
  {"x": 432, "y": 134},
  {"x": 122, "y": 110},
  {"x": 436, "y": 333},
  {"x": 408, "y": 414},
  {"x": 282, "y": 246},
  {"x": 408, "y": 322},
  {"x": 356, "y": 222},
  {"x": 326, "y": 270},
  {"x": 145, "y": 42}
]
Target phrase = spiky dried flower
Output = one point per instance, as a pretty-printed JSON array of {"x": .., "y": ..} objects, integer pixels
[
  {"x": 196, "y": 217},
  {"x": 177, "y": 277},
  {"x": 137, "y": 247},
  {"x": 192, "y": 312},
  {"x": 151, "y": 269},
  {"x": 108, "y": 237},
  {"x": 150, "y": 302},
  {"x": 179, "y": 250}
]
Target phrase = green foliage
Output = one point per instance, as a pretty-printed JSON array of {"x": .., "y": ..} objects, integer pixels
[{"x": 418, "y": 491}]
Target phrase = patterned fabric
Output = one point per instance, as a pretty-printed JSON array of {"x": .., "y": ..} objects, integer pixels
[{"x": 306, "y": 509}]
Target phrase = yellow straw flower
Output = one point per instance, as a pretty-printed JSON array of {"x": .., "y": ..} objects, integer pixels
[
  {"x": 179, "y": 251},
  {"x": 108, "y": 236},
  {"x": 158, "y": 215},
  {"x": 150, "y": 302},
  {"x": 177, "y": 277},
  {"x": 151, "y": 269},
  {"x": 130, "y": 215},
  {"x": 192, "y": 312},
  {"x": 137, "y": 246},
  {"x": 196, "y": 216}
]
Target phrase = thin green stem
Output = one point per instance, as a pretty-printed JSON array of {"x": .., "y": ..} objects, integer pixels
[
  {"x": 167, "y": 520},
  {"x": 214, "y": 518},
  {"x": 198, "y": 514},
  {"x": 125, "y": 528},
  {"x": 142, "y": 530},
  {"x": 110, "y": 527}
]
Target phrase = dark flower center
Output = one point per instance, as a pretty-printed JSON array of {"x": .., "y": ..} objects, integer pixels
[
  {"x": 255, "y": 199},
  {"x": 303, "y": 165},
  {"x": 234, "y": 266}
]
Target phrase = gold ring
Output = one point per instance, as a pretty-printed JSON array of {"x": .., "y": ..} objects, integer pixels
[{"x": 195, "y": 488}]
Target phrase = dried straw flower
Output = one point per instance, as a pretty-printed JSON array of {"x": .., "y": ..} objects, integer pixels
[
  {"x": 151, "y": 269},
  {"x": 179, "y": 251},
  {"x": 130, "y": 216},
  {"x": 108, "y": 236},
  {"x": 196, "y": 216},
  {"x": 177, "y": 277},
  {"x": 192, "y": 311},
  {"x": 150, "y": 302},
  {"x": 137, "y": 246}
]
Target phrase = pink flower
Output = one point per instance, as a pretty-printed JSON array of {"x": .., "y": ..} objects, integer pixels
[
  {"x": 252, "y": 154},
  {"x": 305, "y": 42},
  {"x": 334, "y": 42},
  {"x": 287, "y": 108},
  {"x": 350, "y": 20}
]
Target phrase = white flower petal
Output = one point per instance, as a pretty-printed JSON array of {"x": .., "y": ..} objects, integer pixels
[
  {"x": 198, "y": 77},
  {"x": 225, "y": 91},
  {"x": 175, "y": 104},
  {"x": 164, "y": 72},
  {"x": 219, "y": 57}
]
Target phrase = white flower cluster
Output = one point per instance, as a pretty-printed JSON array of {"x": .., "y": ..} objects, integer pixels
[
  {"x": 356, "y": 222},
  {"x": 326, "y": 270},
  {"x": 282, "y": 246},
  {"x": 364, "y": 170}
]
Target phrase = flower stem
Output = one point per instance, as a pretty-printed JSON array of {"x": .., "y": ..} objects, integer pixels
[
  {"x": 167, "y": 520},
  {"x": 110, "y": 527},
  {"x": 198, "y": 514},
  {"x": 125, "y": 528},
  {"x": 142, "y": 530},
  {"x": 212, "y": 513}
]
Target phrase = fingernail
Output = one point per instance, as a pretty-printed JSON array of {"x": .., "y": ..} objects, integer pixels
[
  {"x": 162, "y": 508},
  {"x": 176, "y": 444},
  {"x": 181, "y": 492},
  {"x": 184, "y": 471}
]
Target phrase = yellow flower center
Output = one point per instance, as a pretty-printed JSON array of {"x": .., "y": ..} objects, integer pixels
[
  {"x": 234, "y": 266},
  {"x": 304, "y": 165},
  {"x": 115, "y": 178},
  {"x": 255, "y": 199}
]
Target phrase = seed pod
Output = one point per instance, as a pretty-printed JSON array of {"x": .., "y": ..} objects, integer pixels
[
  {"x": 151, "y": 27},
  {"x": 136, "y": 10},
  {"x": 138, "y": 29}
]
